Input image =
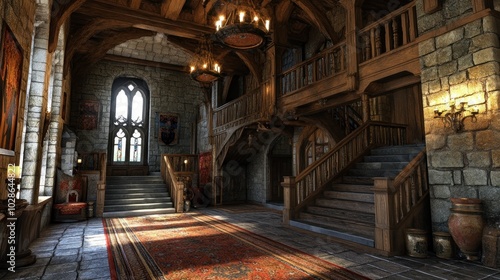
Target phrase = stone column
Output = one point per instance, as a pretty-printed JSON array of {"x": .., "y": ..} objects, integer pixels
[
  {"x": 461, "y": 64},
  {"x": 37, "y": 106}
]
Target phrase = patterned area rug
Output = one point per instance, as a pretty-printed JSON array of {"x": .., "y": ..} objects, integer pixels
[{"x": 197, "y": 246}]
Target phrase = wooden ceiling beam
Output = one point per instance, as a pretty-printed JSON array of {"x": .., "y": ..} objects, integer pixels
[
  {"x": 82, "y": 35},
  {"x": 134, "y": 4},
  {"x": 319, "y": 18},
  {"x": 87, "y": 60},
  {"x": 144, "y": 20},
  {"x": 148, "y": 63},
  {"x": 60, "y": 13},
  {"x": 201, "y": 12},
  {"x": 171, "y": 9}
]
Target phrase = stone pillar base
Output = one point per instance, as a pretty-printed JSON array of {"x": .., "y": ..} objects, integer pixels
[{"x": 491, "y": 247}]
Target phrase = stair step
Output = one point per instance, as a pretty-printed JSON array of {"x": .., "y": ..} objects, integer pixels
[
  {"x": 342, "y": 214},
  {"x": 391, "y": 173},
  {"x": 364, "y": 207},
  {"x": 118, "y": 201},
  {"x": 131, "y": 184},
  {"x": 137, "y": 206},
  {"x": 141, "y": 195},
  {"x": 381, "y": 165},
  {"x": 139, "y": 212},
  {"x": 137, "y": 179},
  {"x": 353, "y": 188},
  {"x": 351, "y": 227},
  {"x": 387, "y": 158},
  {"x": 357, "y": 180},
  {"x": 137, "y": 190},
  {"x": 398, "y": 150},
  {"x": 353, "y": 196},
  {"x": 334, "y": 233}
]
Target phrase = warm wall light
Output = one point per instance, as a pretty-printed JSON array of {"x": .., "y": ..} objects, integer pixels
[
  {"x": 454, "y": 118},
  {"x": 79, "y": 161}
]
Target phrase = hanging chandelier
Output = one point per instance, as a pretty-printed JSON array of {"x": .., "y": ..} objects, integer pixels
[
  {"x": 241, "y": 25},
  {"x": 204, "y": 68}
]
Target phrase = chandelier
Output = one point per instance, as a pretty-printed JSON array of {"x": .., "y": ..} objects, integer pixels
[
  {"x": 204, "y": 68},
  {"x": 241, "y": 25}
]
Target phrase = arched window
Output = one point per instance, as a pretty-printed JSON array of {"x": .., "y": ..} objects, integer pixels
[
  {"x": 128, "y": 124},
  {"x": 317, "y": 145}
]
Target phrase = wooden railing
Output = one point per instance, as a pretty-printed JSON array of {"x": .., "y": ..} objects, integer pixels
[
  {"x": 323, "y": 65},
  {"x": 246, "y": 109},
  {"x": 101, "y": 185},
  {"x": 400, "y": 203},
  {"x": 349, "y": 116},
  {"x": 390, "y": 32},
  {"x": 177, "y": 172},
  {"x": 315, "y": 177}
]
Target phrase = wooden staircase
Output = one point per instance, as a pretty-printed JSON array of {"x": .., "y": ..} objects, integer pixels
[
  {"x": 346, "y": 209},
  {"x": 128, "y": 196}
]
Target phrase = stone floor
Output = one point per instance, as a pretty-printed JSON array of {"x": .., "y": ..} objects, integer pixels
[{"x": 78, "y": 251}]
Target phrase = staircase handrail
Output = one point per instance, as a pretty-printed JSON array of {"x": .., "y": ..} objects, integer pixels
[
  {"x": 176, "y": 176},
  {"x": 344, "y": 154},
  {"x": 397, "y": 201},
  {"x": 101, "y": 184}
]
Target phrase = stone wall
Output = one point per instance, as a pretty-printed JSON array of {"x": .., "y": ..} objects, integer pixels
[
  {"x": 461, "y": 65},
  {"x": 172, "y": 92}
]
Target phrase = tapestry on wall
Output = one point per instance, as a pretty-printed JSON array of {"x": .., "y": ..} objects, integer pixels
[
  {"x": 89, "y": 114},
  {"x": 168, "y": 128},
  {"x": 205, "y": 168},
  {"x": 11, "y": 60}
]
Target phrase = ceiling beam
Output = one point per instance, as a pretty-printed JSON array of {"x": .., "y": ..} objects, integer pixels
[
  {"x": 144, "y": 20},
  {"x": 60, "y": 12},
  {"x": 148, "y": 63},
  {"x": 135, "y": 4},
  {"x": 88, "y": 59},
  {"x": 171, "y": 9},
  {"x": 82, "y": 35},
  {"x": 319, "y": 18}
]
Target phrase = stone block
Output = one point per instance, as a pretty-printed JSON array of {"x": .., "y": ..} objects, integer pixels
[
  {"x": 434, "y": 86},
  {"x": 437, "y": 177},
  {"x": 488, "y": 139},
  {"x": 440, "y": 210},
  {"x": 490, "y": 24},
  {"x": 430, "y": 59},
  {"x": 465, "y": 62},
  {"x": 475, "y": 177},
  {"x": 484, "y": 70},
  {"x": 457, "y": 78},
  {"x": 473, "y": 29},
  {"x": 439, "y": 98},
  {"x": 444, "y": 55},
  {"x": 495, "y": 158},
  {"x": 461, "y": 142},
  {"x": 493, "y": 83},
  {"x": 448, "y": 159},
  {"x": 495, "y": 178},
  {"x": 464, "y": 191},
  {"x": 483, "y": 41},
  {"x": 435, "y": 142},
  {"x": 461, "y": 48},
  {"x": 479, "y": 159},
  {"x": 449, "y": 38},
  {"x": 448, "y": 69},
  {"x": 457, "y": 177},
  {"x": 486, "y": 55},
  {"x": 441, "y": 191}
]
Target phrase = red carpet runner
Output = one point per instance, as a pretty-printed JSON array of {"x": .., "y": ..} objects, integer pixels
[{"x": 196, "y": 246}]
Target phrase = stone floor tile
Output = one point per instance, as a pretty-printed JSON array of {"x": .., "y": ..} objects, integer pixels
[
  {"x": 371, "y": 272},
  {"x": 390, "y": 267},
  {"x": 94, "y": 263},
  {"x": 61, "y": 268},
  {"x": 64, "y": 259},
  {"x": 29, "y": 272},
  {"x": 63, "y": 251},
  {"x": 417, "y": 275},
  {"x": 61, "y": 276},
  {"x": 93, "y": 273}
]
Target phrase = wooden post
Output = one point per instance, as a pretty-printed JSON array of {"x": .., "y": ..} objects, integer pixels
[
  {"x": 101, "y": 191},
  {"x": 384, "y": 216},
  {"x": 179, "y": 197},
  {"x": 289, "y": 196}
]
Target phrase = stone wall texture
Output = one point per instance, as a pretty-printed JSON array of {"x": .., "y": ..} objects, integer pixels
[
  {"x": 462, "y": 65},
  {"x": 170, "y": 92}
]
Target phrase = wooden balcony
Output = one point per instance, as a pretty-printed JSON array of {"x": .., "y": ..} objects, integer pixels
[{"x": 387, "y": 48}]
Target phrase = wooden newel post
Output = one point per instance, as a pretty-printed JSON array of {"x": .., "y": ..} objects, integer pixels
[
  {"x": 179, "y": 197},
  {"x": 384, "y": 219},
  {"x": 290, "y": 198}
]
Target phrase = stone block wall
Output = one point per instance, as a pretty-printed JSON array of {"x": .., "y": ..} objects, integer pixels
[
  {"x": 172, "y": 92},
  {"x": 461, "y": 64}
]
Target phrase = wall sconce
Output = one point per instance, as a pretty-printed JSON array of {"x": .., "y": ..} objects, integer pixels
[{"x": 454, "y": 118}]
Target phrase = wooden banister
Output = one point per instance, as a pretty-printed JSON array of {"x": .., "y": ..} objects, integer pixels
[
  {"x": 390, "y": 32},
  {"x": 312, "y": 180},
  {"x": 325, "y": 64},
  {"x": 177, "y": 170},
  {"x": 400, "y": 203}
]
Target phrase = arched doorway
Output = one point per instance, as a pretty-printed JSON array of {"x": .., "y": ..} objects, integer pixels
[
  {"x": 280, "y": 164},
  {"x": 128, "y": 128}
]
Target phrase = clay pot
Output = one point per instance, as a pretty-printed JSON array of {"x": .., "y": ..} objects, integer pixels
[
  {"x": 443, "y": 245},
  {"x": 416, "y": 243},
  {"x": 466, "y": 225}
]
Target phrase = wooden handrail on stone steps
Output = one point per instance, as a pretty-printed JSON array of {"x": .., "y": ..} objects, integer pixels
[
  {"x": 175, "y": 171},
  {"x": 401, "y": 203},
  {"x": 301, "y": 190}
]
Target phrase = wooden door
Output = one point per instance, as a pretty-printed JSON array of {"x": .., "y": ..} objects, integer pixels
[{"x": 280, "y": 166}]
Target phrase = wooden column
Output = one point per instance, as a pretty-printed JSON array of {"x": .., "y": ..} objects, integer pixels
[
  {"x": 384, "y": 221},
  {"x": 179, "y": 197},
  {"x": 289, "y": 197},
  {"x": 353, "y": 25}
]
